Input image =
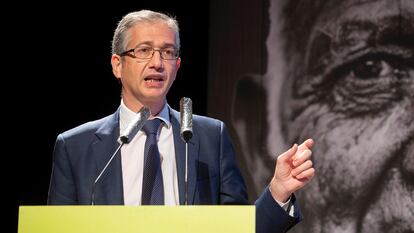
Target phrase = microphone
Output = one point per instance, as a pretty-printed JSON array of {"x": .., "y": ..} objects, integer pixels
[
  {"x": 186, "y": 132},
  {"x": 136, "y": 124},
  {"x": 186, "y": 110},
  {"x": 129, "y": 133}
]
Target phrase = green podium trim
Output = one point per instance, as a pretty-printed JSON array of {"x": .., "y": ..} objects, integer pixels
[{"x": 148, "y": 219}]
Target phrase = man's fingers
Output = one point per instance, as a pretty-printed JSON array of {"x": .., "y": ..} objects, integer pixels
[
  {"x": 288, "y": 154},
  {"x": 305, "y": 155},
  {"x": 303, "y": 167},
  {"x": 307, "y": 144},
  {"x": 306, "y": 175}
]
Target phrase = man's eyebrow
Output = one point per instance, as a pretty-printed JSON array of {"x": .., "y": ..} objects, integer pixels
[
  {"x": 348, "y": 37},
  {"x": 355, "y": 36},
  {"x": 397, "y": 30},
  {"x": 151, "y": 44},
  {"x": 389, "y": 29}
]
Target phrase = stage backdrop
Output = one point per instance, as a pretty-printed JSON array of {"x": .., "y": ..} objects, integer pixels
[{"x": 338, "y": 71}]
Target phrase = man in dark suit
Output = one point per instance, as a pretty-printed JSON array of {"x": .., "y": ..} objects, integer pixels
[{"x": 145, "y": 60}]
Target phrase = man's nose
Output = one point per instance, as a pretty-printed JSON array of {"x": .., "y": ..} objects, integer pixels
[{"x": 156, "y": 61}]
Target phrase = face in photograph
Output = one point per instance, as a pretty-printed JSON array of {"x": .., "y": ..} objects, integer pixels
[{"x": 342, "y": 72}]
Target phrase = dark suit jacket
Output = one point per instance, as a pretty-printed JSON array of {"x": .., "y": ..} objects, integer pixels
[{"x": 81, "y": 153}]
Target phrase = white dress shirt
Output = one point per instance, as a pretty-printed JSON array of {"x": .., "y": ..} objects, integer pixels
[{"x": 132, "y": 156}]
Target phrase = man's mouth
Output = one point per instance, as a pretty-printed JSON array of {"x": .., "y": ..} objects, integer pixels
[{"x": 152, "y": 79}]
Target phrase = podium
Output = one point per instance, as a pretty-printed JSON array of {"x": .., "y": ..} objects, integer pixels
[{"x": 148, "y": 219}]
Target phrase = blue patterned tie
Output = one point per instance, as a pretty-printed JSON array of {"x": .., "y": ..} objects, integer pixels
[{"x": 152, "y": 183}]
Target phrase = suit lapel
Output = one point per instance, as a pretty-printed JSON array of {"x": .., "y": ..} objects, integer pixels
[
  {"x": 193, "y": 146},
  {"x": 109, "y": 188}
]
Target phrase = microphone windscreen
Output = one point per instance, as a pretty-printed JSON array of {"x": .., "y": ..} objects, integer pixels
[
  {"x": 186, "y": 113},
  {"x": 135, "y": 125}
]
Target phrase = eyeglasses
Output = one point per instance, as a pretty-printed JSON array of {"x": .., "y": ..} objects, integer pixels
[{"x": 146, "y": 52}]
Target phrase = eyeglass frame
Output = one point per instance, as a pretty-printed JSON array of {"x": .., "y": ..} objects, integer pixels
[{"x": 128, "y": 53}]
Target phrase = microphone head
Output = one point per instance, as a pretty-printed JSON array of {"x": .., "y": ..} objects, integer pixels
[
  {"x": 135, "y": 125},
  {"x": 186, "y": 113}
]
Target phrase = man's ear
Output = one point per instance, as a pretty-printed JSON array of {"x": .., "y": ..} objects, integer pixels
[
  {"x": 178, "y": 62},
  {"x": 116, "y": 66}
]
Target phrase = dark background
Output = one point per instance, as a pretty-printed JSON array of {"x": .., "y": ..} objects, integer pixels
[{"x": 57, "y": 75}]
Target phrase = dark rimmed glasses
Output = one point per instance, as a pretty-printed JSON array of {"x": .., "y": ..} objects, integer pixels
[{"x": 146, "y": 52}]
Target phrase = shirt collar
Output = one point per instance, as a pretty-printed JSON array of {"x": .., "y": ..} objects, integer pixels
[
  {"x": 164, "y": 115},
  {"x": 126, "y": 115}
]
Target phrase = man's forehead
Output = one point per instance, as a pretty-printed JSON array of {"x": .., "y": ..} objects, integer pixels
[
  {"x": 356, "y": 10},
  {"x": 367, "y": 17},
  {"x": 152, "y": 33}
]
